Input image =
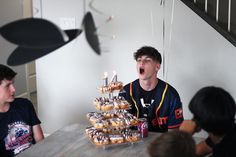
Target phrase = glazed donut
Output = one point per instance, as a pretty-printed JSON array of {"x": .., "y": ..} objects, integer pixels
[
  {"x": 88, "y": 115},
  {"x": 120, "y": 113},
  {"x": 108, "y": 115},
  {"x": 111, "y": 87},
  {"x": 107, "y": 130},
  {"x": 94, "y": 117},
  {"x": 103, "y": 104},
  {"x": 101, "y": 140},
  {"x": 120, "y": 103},
  {"x": 116, "y": 85},
  {"x": 134, "y": 121},
  {"x": 116, "y": 122},
  {"x": 116, "y": 139},
  {"x": 90, "y": 130},
  {"x": 130, "y": 120},
  {"x": 131, "y": 136},
  {"x": 101, "y": 124},
  {"x": 105, "y": 89}
]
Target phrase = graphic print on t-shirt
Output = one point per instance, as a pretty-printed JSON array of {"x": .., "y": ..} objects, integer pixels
[
  {"x": 19, "y": 137},
  {"x": 146, "y": 106}
]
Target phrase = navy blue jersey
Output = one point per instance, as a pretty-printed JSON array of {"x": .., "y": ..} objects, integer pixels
[
  {"x": 161, "y": 106},
  {"x": 16, "y": 127}
]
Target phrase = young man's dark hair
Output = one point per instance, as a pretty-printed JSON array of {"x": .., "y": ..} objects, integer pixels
[
  {"x": 214, "y": 109},
  {"x": 148, "y": 51},
  {"x": 173, "y": 144},
  {"x": 6, "y": 73}
]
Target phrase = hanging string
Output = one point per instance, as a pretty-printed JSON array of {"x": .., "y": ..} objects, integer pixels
[
  {"x": 108, "y": 19},
  {"x": 163, "y": 38},
  {"x": 170, "y": 37},
  {"x": 166, "y": 50},
  {"x": 95, "y": 9}
]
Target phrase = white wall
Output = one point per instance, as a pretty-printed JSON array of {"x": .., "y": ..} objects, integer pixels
[
  {"x": 136, "y": 23},
  {"x": 67, "y": 79},
  {"x": 199, "y": 56},
  {"x": 196, "y": 55}
]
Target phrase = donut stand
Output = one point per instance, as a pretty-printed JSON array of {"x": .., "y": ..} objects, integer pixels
[{"x": 111, "y": 125}]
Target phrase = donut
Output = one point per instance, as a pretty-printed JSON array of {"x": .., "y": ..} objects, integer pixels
[
  {"x": 130, "y": 120},
  {"x": 115, "y": 139},
  {"x": 111, "y": 87},
  {"x": 101, "y": 124},
  {"x": 92, "y": 132},
  {"x": 103, "y": 104},
  {"x": 89, "y": 130},
  {"x": 94, "y": 117},
  {"x": 108, "y": 115},
  {"x": 107, "y": 130},
  {"x": 120, "y": 113},
  {"x": 116, "y": 85},
  {"x": 116, "y": 122},
  {"x": 131, "y": 136},
  {"x": 120, "y": 103},
  {"x": 105, "y": 89},
  {"x": 101, "y": 140}
]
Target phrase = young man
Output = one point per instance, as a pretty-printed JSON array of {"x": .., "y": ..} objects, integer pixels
[
  {"x": 19, "y": 124},
  {"x": 152, "y": 98},
  {"x": 173, "y": 144},
  {"x": 213, "y": 111}
]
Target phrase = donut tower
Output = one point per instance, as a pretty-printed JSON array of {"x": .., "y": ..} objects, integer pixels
[{"x": 111, "y": 124}]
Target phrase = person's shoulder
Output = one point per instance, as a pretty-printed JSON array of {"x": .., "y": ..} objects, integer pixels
[
  {"x": 134, "y": 83},
  {"x": 171, "y": 89},
  {"x": 21, "y": 102}
]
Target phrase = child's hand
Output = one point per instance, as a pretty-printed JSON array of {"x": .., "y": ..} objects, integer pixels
[{"x": 189, "y": 126}]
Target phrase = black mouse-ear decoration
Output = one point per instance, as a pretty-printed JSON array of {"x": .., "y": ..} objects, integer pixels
[
  {"x": 35, "y": 38},
  {"x": 91, "y": 32}
]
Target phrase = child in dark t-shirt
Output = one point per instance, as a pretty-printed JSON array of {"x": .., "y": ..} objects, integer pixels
[{"x": 19, "y": 124}]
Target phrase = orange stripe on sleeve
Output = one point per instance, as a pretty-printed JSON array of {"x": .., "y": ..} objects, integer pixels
[{"x": 131, "y": 95}]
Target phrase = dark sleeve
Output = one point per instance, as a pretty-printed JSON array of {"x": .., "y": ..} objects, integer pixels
[
  {"x": 176, "y": 111},
  {"x": 209, "y": 142},
  {"x": 34, "y": 120},
  {"x": 27, "y": 108}
]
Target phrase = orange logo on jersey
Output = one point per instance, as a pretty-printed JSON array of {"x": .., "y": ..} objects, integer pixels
[
  {"x": 160, "y": 121},
  {"x": 178, "y": 113}
]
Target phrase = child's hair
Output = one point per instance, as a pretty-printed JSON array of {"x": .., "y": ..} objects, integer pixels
[
  {"x": 6, "y": 73},
  {"x": 213, "y": 109},
  {"x": 173, "y": 144}
]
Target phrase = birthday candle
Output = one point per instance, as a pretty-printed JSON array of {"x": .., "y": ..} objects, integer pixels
[
  {"x": 114, "y": 77},
  {"x": 105, "y": 79}
]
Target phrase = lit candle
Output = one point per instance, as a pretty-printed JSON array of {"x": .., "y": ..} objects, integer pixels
[
  {"x": 114, "y": 77},
  {"x": 105, "y": 79}
]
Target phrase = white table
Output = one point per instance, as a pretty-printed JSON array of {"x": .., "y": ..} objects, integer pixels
[{"x": 71, "y": 141}]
